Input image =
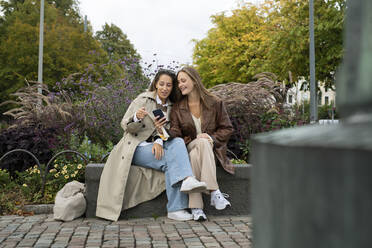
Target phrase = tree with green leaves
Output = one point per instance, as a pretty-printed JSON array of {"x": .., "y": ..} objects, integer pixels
[
  {"x": 227, "y": 52},
  {"x": 118, "y": 47},
  {"x": 66, "y": 7},
  {"x": 274, "y": 37},
  {"x": 115, "y": 42},
  {"x": 66, "y": 46},
  {"x": 288, "y": 49}
]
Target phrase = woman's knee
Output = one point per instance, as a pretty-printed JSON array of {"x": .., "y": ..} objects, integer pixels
[
  {"x": 199, "y": 144},
  {"x": 178, "y": 141},
  {"x": 202, "y": 142}
]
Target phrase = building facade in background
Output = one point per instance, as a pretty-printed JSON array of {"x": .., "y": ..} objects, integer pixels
[{"x": 297, "y": 96}]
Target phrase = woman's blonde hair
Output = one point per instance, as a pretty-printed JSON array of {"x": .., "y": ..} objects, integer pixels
[{"x": 204, "y": 94}]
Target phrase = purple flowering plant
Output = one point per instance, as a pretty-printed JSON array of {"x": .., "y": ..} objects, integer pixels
[{"x": 101, "y": 96}]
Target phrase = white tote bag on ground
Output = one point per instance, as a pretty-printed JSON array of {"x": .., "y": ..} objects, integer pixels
[{"x": 70, "y": 202}]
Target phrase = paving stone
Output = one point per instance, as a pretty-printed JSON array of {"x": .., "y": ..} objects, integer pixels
[
  {"x": 229, "y": 244},
  {"x": 177, "y": 246},
  {"x": 43, "y": 231},
  {"x": 159, "y": 244},
  {"x": 212, "y": 244},
  {"x": 245, "y": 244},
  {"x": 9, "y": 245},
  {"x": 195, "y": 246},
  {"x": 58, "y": 246},
  {"x": 207, "y": 239}
]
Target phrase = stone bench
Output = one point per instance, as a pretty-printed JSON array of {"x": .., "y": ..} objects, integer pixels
[{"x": 237, "y": 186}]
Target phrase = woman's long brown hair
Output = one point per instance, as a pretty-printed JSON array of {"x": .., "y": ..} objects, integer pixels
[
  {"x": 175, "y": 93},
  {"x": 195, "y": 77}
]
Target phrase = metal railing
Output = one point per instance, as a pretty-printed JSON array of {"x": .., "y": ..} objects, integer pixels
[
  {"x": 54, "y": 158},
  {"x": 43, "y": 174},
  {"x": 25, "y": 151}
]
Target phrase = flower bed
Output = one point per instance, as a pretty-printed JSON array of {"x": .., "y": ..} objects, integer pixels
[{"x": 25, "y": 187}]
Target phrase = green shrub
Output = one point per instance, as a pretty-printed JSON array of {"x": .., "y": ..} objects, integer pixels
[
  {"x": 238, "y": 161},
  {"x": 11, "y": 194},
  {"x": 325, "y": 112},
  {"x": 25, "y": 187},
  {"x": 94, "y": 152},
  {"x": 245, "y": 148},
  {"x": 61, "y": 173},
  {"x": 278, "y": 118}
]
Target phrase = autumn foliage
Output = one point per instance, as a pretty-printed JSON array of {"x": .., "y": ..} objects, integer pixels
[{"x": 274, "y": 37}]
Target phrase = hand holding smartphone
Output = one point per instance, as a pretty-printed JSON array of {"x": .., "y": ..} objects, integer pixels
[
  {"x": 160, "y": 121},
  {"x": 158, "y": 112}
]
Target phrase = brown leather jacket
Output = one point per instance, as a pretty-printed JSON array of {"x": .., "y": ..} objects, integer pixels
[{"x": 214, "y": 121}]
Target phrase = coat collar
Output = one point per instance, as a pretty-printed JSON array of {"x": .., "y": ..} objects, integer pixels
[
  {"x": 183, "y": 104},
  {"x": 158, "y": 101},
  {"x": 153, "y": 96},
  {"x": 206, "y": 117}
]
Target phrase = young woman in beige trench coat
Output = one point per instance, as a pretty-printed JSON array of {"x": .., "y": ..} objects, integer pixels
[
  {"x": 200, "y": 118},
  {"x": 146, "y": 143}
]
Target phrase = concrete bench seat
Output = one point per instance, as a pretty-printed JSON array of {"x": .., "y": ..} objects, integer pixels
[{"x": 237, "y": 186}]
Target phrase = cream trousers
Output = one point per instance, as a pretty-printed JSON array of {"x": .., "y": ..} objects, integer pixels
[{"x": 203, "y": 166}]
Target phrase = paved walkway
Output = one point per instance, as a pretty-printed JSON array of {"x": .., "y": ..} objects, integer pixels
[{"x": 43, "y": 231}]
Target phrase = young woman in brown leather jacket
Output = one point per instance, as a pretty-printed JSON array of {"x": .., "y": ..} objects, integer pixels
[{"x": 200, "y": 118}]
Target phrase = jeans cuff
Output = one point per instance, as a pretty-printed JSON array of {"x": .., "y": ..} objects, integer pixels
[
  {"x": 173, "y": 209},
  {"x": 179, "y": 179}
]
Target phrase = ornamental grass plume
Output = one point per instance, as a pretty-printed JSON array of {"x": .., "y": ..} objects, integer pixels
[
  {"x": 46, "y": 109},
  {"x": 245, "y": 103},
  {"x": 254, "y": 107},
  {"x": 39, "y": 120}
]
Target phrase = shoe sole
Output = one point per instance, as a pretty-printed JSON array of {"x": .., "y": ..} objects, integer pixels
[
  {"x": 228, "y": 205},
  {"x": 201, "y": 218},
  {"x": 180, "y": 219},
  {"x": 195, "y": 190}
]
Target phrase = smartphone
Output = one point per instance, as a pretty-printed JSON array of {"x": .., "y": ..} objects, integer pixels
[{"x": 158, "y": 112}]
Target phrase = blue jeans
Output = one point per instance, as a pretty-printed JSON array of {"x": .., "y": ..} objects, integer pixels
[{"x": 175, "y": 164}]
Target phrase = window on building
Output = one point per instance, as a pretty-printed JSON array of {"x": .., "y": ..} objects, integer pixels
[
  {"x": 290, "y": 98},
  {"x": 326, "y": 100},
  {"x": 320, "y": 98}
]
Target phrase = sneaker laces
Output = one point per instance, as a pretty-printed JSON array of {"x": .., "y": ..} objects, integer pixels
[
  {"x": 222, "y": 194},
  {"x": 197, "y": 211},
  {"x": 225, "y": 195}
]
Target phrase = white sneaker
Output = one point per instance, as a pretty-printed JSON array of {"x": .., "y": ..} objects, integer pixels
[
  {"x": 191, "y": 185},
  {"x": 180, "y": 215},
  {"x": 198, "y": 214},
  {"x": 218, "y": 200}
]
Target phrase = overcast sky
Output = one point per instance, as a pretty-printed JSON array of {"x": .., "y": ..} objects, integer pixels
[{"x": 164, "y": 27}]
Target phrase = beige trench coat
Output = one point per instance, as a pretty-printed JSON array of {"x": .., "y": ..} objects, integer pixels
[{"x": 123, "y": 185}]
